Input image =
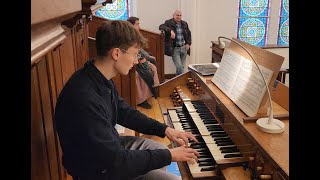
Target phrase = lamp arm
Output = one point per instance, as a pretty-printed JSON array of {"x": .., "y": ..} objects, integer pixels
[{"x": 264, "y": 80}]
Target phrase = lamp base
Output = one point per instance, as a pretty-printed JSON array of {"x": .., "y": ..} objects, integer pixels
[{"x": 276, "y": 126}]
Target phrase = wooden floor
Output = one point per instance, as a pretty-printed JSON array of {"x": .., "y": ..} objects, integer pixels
[{"x": 154, "y": 113}]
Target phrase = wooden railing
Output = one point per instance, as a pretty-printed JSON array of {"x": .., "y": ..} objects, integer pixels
[
  {"x": 59, "y": 46},
  {"x": 51, "y": 68}
]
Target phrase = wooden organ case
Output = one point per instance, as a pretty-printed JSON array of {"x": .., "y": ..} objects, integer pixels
[{"x": 258, "y": 155}]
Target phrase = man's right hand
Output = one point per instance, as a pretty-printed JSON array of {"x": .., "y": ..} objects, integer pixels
[
  {"x": 182, "y": 153},
  {"x": 173, "y": 35}
]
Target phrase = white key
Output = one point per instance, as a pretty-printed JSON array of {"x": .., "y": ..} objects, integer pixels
[
  {"x": 189, "y": 107},
  {"x": 178, "y": 126},
  {"x": 173, "y": 115}
]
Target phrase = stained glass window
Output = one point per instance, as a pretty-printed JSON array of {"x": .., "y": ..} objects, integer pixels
[
  {"x": 283, "y": 33},
  {"x": 253, "y": 21},
  {"x": 118, "y": 10}
]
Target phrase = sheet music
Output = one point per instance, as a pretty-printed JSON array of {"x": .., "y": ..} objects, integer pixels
[
  {"x": 240, "y": 79},
  {"x": 229, "y": 68},
  {"x": 249, "y": 88}
]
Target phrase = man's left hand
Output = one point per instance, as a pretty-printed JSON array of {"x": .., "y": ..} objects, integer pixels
[
  {"x": 187, "y": 46},
  {"x": 179, "y": 137}
]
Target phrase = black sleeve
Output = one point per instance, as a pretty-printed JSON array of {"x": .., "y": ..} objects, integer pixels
[
  {"x": 90, "y": 140},
  {"x": 165, "y": 27},
  {"x": 135, "y": 120},
  {"x": 188, "y": 38}
]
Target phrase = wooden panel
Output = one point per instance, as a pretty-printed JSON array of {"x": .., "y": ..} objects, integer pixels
[
  {"x": 81, "y": 45},
  {"x": 94, "y": 24},
  {"x": 166, "y": 88},
  {"x": 133, "y": 87},
  {"x": 92, "y": 48},
  {"x": 280, "y": 94},
  {"x": 125, "y": 87},
  {"x": 47, "y": 110},
  {"x": 55, "y": 87},
  {"x": 216, "y": 52},
  {"x": 117, "y": 82},
  {"x": 52, "y": 79},
  {"x": 39, "y": 159},
  {"x": 55, "y": 54},
  {"x": 156, "y": 47},
  {"x": 68, "y": 64}
]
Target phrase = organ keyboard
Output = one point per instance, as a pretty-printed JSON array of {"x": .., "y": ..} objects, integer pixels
[{"x": 225, "y": 141}]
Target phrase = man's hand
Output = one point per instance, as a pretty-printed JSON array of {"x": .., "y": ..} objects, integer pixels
[
  {"x": 173, "y": 35},
  {"x": 179, "y": 137},
  {"x": 187, "y": 46},
  {"x": 182, "y": 153}
]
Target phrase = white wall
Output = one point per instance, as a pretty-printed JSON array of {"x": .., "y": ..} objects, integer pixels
[{"x": 207, "y": 19}]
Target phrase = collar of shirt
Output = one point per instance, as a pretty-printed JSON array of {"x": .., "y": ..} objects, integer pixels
[{"x": 98, "y": 76}]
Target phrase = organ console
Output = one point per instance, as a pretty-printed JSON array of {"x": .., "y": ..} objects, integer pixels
[{"x": 229, "y": 146}]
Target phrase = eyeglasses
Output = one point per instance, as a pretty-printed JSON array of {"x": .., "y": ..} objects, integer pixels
[{"x": 137, "y": 55}]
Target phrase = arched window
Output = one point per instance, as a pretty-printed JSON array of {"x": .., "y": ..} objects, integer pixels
[
  {"x": 118, "y": 10},
  {"x": 253, "y": 21},
  {"x": 283, "y": 32}
]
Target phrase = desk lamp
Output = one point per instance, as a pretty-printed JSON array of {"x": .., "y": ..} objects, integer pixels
[{"x": 267, "y": 124}]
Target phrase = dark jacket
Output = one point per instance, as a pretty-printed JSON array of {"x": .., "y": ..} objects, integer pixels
[
  {"x": 86, "y": 112},
  {"x": 146, "y": 74},
  {"x": 170, "y": 43}
]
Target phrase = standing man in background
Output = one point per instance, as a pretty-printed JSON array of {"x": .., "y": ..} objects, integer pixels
[{"x": 177, "y": 40}]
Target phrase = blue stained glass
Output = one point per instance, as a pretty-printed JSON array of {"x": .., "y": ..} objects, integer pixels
[
  {"x": 253, "y": 30},
  {"x": 254, "y": 8},
  {"x": 283, "y": 33},
  {"x": 285, "y": 8},
  {"x": 283, "y": 37},
  {"x": 253, "y": 21},
  {"x": 118, "y": 10}
]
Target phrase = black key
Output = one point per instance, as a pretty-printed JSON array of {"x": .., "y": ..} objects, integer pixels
[
  {"x": 210, "y": 121},
  {"x": 218, "y": 138},
  {"x": 202, "y": 143},
  {"x": 203, "y": 151},
  {"x": 203, "y": 111},
  {"x": 223, "y": 140},
  {"x": 218, "y": 132},
  {"x": 225, "y": 143},
  {"x": 214, "y": 129},
  {"x": 219, "y": 135},
  {"x": 206, "y": 163},
  {"x": 197, "y": 146},
  {"x": 212, "y": 168},
  {"x": 226, "y": 148},
  {"x": 204, "y": 156},
  {"x": 205, "y": 160},
  {"x": 215, "y": 126},
  {"x": 230, "y": 151},
  {"x": 232, "y": 155}
]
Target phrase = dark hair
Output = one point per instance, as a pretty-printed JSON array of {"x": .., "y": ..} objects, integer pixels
[
  {"x": 117, "y": 33},
  {"x": 132, "y": 20}
]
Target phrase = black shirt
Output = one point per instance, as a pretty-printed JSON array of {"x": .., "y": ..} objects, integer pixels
[{"x": 86, "y": 112}]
